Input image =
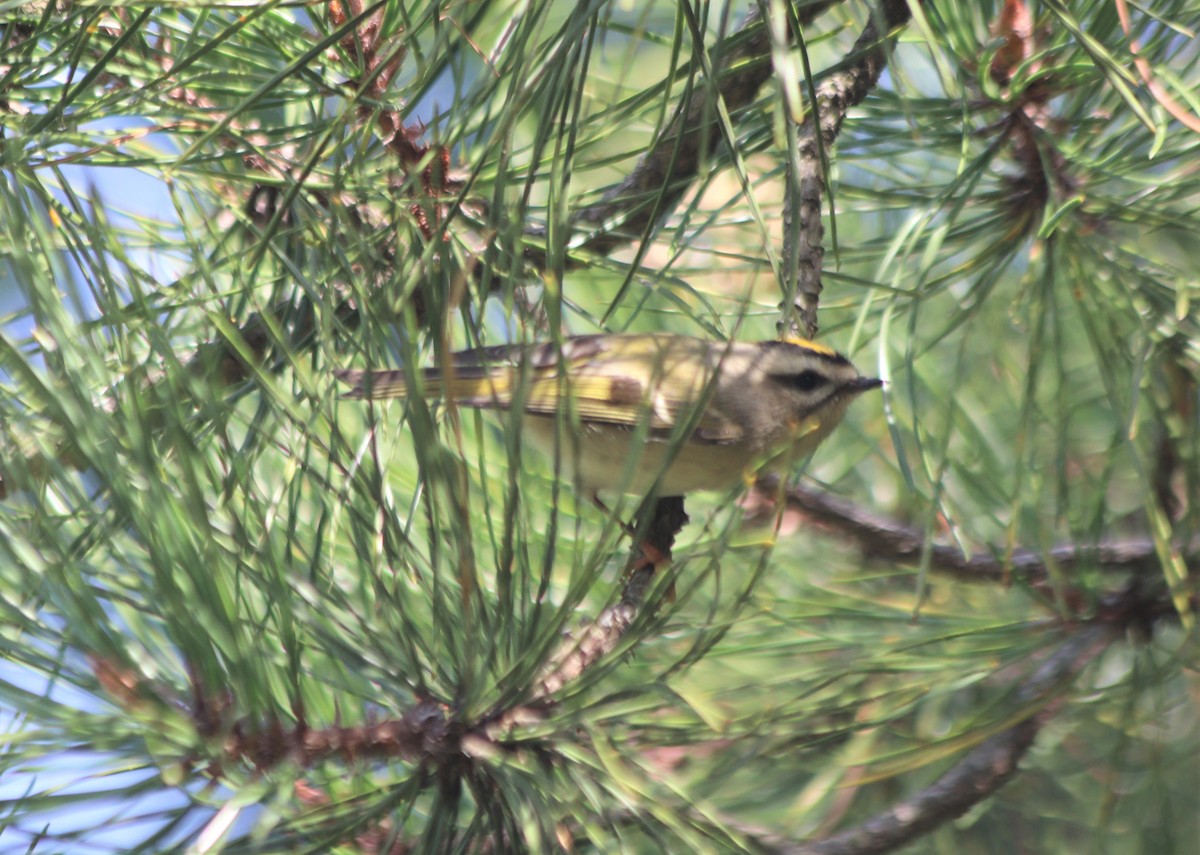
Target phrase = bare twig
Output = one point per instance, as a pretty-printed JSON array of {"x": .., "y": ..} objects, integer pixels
[
  {"x": 424, "y": 733},
  {"x": 599, "y": 638},
  {"x": 803, "y": 231},
  {"x": 381, "y": 55},
  {"x": 882, "y": 538},
  {"x": 368, "y": 44}
]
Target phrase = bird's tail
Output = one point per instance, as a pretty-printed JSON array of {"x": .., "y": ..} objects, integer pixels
[{"x": 471, "y": 387}]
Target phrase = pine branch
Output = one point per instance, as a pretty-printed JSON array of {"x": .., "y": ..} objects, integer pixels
[
  {"x": 428, "y": 733},
  {"x": 985, "y": 768},
  {"x": 991, "y": 765},
  {"x": 602, "y": 636},
  {"x": 981, "y": 772},
  {"x": 803, "y": 251}
]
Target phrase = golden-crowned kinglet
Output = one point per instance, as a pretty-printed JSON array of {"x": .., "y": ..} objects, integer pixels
[{"x": 730, "y": 407}]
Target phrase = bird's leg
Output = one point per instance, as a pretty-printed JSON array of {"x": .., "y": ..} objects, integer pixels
[{"x": 653, "y": 550}]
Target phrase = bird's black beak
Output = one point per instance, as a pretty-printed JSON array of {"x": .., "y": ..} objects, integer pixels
[{"x": 863, "y": 384}]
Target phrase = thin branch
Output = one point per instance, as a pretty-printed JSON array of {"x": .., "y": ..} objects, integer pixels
[
  {"x": 598, "y": 639},
  {"x": 884, "y": 539},
  {"x": 802, "y": 228},
  {"x": 381, "y": 55},
  {"x": 370, "y": 47},
  {"x": 424, "y": 733}
]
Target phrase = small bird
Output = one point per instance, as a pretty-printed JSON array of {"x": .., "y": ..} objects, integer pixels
[{"x": 699, "y": 414}]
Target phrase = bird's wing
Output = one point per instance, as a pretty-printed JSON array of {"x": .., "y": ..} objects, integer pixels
[
  {"x": 486, "y": 377},
  {"x": 630, "y": 381},
  {"x": 614, "y": 380}
]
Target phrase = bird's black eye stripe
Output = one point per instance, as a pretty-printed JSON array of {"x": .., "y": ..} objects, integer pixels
[{"x": 806, "y": 381}]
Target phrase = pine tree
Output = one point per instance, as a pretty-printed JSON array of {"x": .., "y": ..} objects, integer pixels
[{"x": 242, "y": 613}]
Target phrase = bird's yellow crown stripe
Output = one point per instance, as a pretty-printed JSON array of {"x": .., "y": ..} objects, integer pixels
[{"x": 807, "y": 344}]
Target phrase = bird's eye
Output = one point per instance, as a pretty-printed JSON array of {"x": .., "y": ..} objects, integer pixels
[{"x": 805, "y": 381}]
